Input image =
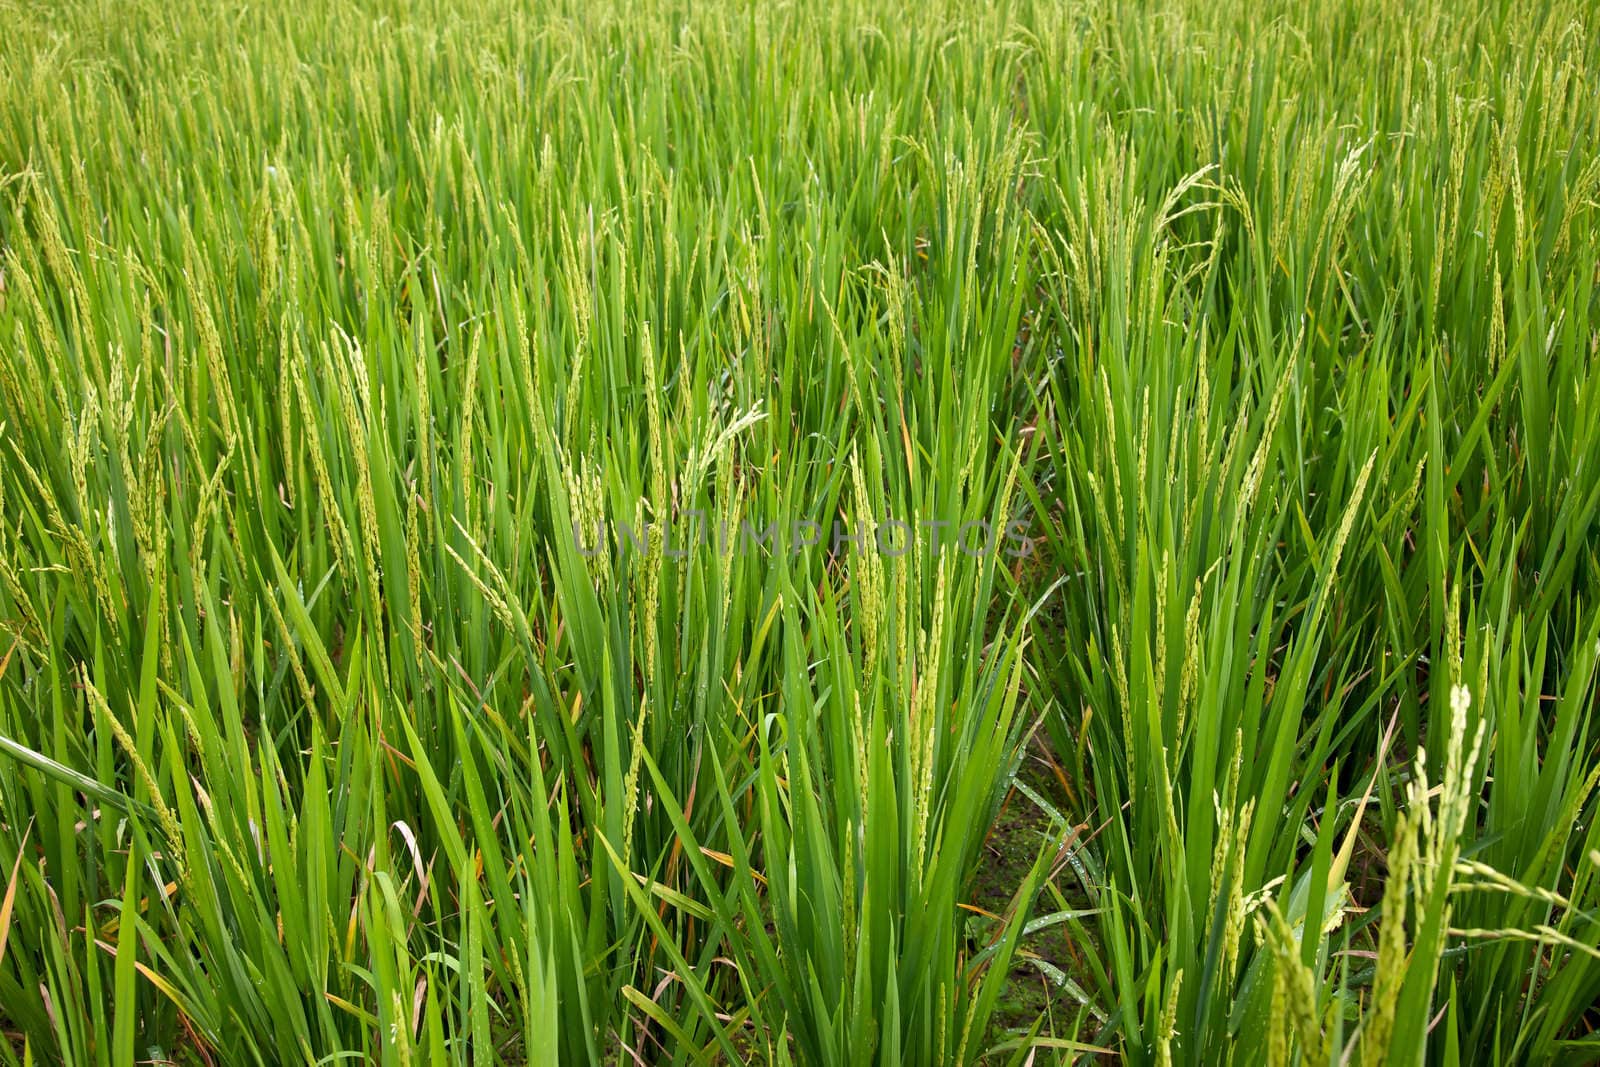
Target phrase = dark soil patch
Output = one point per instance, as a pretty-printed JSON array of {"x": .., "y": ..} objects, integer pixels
[{"x": 1023, "y": 828}]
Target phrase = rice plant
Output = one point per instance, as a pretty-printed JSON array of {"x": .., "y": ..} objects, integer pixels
[{"x": 844, "y": 533}]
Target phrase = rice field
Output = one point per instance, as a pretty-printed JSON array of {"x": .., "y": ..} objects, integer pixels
[{"x": 835, "y": 534}]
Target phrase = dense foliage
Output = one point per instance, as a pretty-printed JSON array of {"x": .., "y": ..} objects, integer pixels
[{"x": 444, "y": 450}]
